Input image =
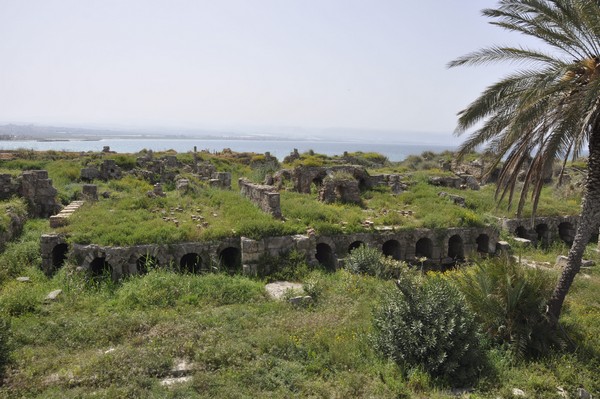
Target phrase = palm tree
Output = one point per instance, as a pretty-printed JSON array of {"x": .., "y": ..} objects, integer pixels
[{"x": 548, "y": 109}]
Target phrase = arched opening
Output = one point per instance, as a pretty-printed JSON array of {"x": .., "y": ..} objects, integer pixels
[
  {"x": 362, "y": 184},
  {"x": 59, "y": 255},
  {"x": 340, "y": 193},
  {"x": 594, "y": 237},
  {"x": 325, "y": 256},
  {"x": 455, "y": 248},
  {"x": 231, "y": 258},
  {"x": 355, "y": 245},
  {"x": 391, "y": 248},
  {"x": 145, "y": 263},
  {"x": 424, "y": 248},
  {"x": 542, "y": 234},
  {"x": 483, "y": 243},
  {"x": 99, "y": 267},
  {"x": 521, "y": 232},
  {"x": 566, "y": 232},
  {"x": 190, "y": 263}
]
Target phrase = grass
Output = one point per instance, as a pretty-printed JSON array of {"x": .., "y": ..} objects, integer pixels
[{"x": 119, "y": 340}]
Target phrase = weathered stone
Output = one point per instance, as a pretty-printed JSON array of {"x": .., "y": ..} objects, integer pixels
[
  {"x": 90, "y": 192},
  {"x": 336, "y": 189},
  {"x": 182, "y": 185},
  {"x": 503, "y": 247},
  {"x": 583, "y": 394},
  {"x": 52, "y": 296},
  {"x": 23, "y": 279},
  {"x": 518, "y": 392},
  {"x": 37, "y": 190},
  {"x": 279, "y": 289},
  {"x": 523, "y": 242},
  {"x": 175, "y": 380},
  {"x": 457, "y": 200},
  {"x": 266, "y": 197},
  {"x": 221, "y": 180}
]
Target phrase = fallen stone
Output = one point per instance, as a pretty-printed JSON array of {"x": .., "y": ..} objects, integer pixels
[
  {"x": 175, "y": 380},
  {"x": 52, "y": 295},
  {"x": 524, "y": 242},
  {"x": 518, "y": 392},
  {"x": 23, "y": 279},
  {"x": 182, "y": 368},
  {"x": 278, "y": 289},
  {"x": 502, "y": 246},
  {"x": 583, "y": 394},
  {"x": 561, "y": 261}
]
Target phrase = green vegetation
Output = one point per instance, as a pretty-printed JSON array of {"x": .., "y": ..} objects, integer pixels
[
  {"x": 428, "y": 325},
  {"x": 370, "y": 261},
  {"x": 107, "y": 339}
]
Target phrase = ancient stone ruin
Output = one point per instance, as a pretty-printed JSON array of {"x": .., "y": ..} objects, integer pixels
[
  {"x": 108, "y": 170},
  {"x": 36, "y": 188},
  {"x": 340, "y": 189},
  {"x": 266, "y": 197}
]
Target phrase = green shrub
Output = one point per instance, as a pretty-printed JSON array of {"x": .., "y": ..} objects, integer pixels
[
  {"x": 287, "y": 266},
  {"x": 370, "y": 261},
  {"x": 510, "y": 303},
  {"x": 427, "y": 324},
  {"x": 4, "y": 345}
]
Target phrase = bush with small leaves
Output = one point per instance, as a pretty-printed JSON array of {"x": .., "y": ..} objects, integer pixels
[
  {"x": 426, "y": 324},
  {"x": 368, "y": 260}
]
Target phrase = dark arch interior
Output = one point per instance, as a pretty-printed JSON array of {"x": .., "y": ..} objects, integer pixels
[
  {"x": 483, "y": 243},
  {"x": 542, "y": 234},
  {"x": 566, "y": 232},
  {"x": 355, "y": 245},
  {"x": 455, "y": 247},
  {"x": 100, "y": 267},
  {"x": 391, "y": 248},
  {"x": 424, "y": 248},
  {"x": 325, "y": 256},
  {"x": 59, "y": 255},
  {"x": 231, "y": 259},
  {"x": 521, "y": 232},
  {"x": 191, "y": 263},
  {"x": 145, "y": 263}
]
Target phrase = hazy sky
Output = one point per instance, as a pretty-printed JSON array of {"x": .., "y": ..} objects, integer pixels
[{"x": 243, "y": 64}]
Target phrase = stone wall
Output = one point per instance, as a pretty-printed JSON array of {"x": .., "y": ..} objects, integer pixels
[
  {"x": 9, "y": 186},
  {"x": 442, "y": 247},
  {"x": 12, "y": 230},
  {"x": 37, "y": 190},
  {"x": 266, "y": 197},
  {"x": 333, "y": 190},
  {"x": 543, "y": 230}
]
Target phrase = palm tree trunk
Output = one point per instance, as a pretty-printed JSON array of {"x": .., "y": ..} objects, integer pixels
[{"x": 588, "y": 221}]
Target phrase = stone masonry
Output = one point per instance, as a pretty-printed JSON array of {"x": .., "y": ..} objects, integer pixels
[
  {"x": 266, "y": 197},
  {"x": 37, "y": 190}
]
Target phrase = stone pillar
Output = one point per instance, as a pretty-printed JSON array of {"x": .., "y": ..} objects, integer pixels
[{"x": 90, "y": 192}]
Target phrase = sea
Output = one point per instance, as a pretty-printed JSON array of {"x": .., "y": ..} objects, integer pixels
[{"x": 277, "y": 148}]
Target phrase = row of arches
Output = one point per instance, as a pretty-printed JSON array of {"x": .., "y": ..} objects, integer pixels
[
  {"x": 229, "y": 259},
  {"x": 326, "y": 256},
  {"x": 542, "y": 235}
]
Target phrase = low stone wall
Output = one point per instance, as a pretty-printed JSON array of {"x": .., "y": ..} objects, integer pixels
[
  {"x": 439, "y": 247},
  {"x": 13, "y": 229},
  {"x": 37, "y": 190},
  {"x": 543, "y": 230},
  {"x": 9, "y": 187},
  {"x": 266, "y": 197}
]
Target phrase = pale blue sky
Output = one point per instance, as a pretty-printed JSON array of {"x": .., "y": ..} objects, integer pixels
[{"x": 272, "y": 65}]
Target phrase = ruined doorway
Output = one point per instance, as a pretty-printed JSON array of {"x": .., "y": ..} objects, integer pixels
[
  {"x": 325, "y": 256},
  {"x": 455, "y": 248},
  {"x": 231, "y": 259},
  {"x": 190, "y": 263},
  {"x": 424, "y": 248},
  {"x": 391, "y": 248},
  {"x": 145, "y": 263},
  {"x": 59, "y": 255},
  {"x": 355, "y": 245}
]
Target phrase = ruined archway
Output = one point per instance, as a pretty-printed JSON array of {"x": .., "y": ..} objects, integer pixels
[
  {"x": 59, "y": 255},
  {"x": 190, "y": 263},
  {"x": 566, "y": 232},
  {"x": 391, "y": 248},
  {"x": 542, "y": 234},
  {"x": 483, "y": 243},
  {"x": 456, "y": 248},
  {"x": 231, "y": 259},
  {"x": 325, "y": 256},
  {"x": 424, "y": 248},
  {"x": 355, "y": 245},
  {"x": 144, "y": 263},
  {"x": 99, "y": 268},
  {"x": 521, "y": 232}
]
